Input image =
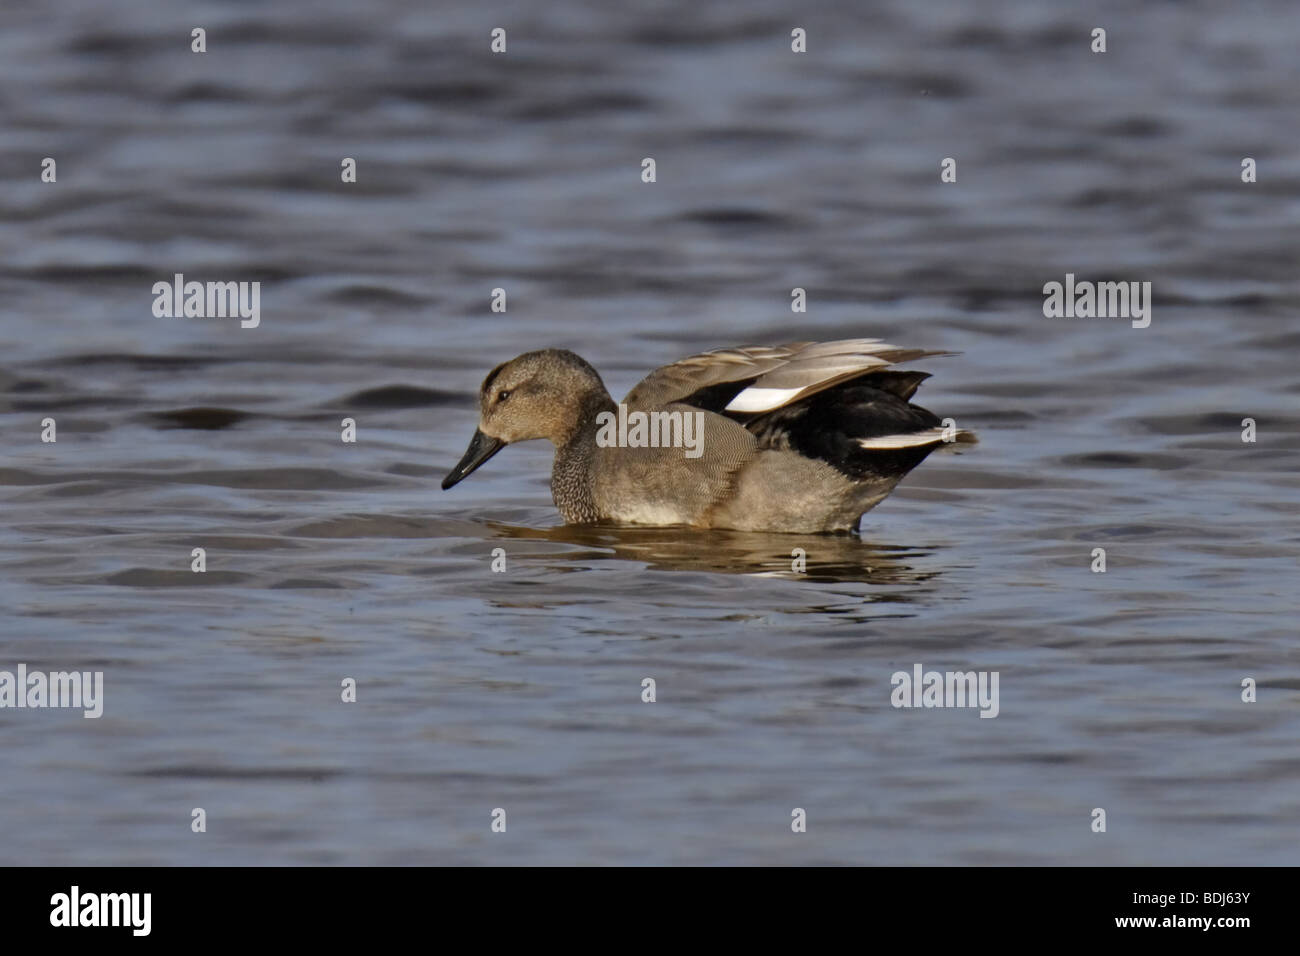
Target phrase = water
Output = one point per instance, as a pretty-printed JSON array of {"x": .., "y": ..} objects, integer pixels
[{"x": 522, "y": 690}]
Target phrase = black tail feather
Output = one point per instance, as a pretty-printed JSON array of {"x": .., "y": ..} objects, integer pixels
[{"x": 829, "y": 425}]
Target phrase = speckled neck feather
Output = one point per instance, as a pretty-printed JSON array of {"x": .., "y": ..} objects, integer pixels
[{"x": 571, "y": 473}]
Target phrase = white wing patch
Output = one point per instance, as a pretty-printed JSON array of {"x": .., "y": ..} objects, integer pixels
[
  {"x": 927, "y": 437},
  {"x": 754, "y": 399}
]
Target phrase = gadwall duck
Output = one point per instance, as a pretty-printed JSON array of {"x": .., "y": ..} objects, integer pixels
[{"x": 804, "y": 437}]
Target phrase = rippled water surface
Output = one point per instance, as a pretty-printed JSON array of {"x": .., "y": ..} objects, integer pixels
[{"x": 522, "y": 690}]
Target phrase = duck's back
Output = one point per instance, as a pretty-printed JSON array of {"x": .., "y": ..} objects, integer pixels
[{"x": 804, "y": 438}]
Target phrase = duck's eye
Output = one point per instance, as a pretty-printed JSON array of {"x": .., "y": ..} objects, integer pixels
[{"x": 502, "y": 396}]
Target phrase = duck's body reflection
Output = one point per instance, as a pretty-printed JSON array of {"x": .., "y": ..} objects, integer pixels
[{"x": 821, "y": 558}]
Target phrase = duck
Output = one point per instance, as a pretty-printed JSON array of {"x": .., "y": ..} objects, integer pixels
[{"x": 799, "y": 438}]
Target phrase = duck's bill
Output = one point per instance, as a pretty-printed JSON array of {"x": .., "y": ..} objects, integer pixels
[{"x": 481, "y": 448}]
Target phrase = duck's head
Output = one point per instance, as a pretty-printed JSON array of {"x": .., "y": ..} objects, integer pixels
[{"x": 540, "y": 394}]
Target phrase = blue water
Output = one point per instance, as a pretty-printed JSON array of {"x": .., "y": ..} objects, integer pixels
[{"x": 522, "y": 690}]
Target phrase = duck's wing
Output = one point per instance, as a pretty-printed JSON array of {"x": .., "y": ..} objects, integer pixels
[{"x": 741, "y": 382}]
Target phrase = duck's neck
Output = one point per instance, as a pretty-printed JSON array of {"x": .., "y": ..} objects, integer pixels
[{"x": 571, "y": 475}]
